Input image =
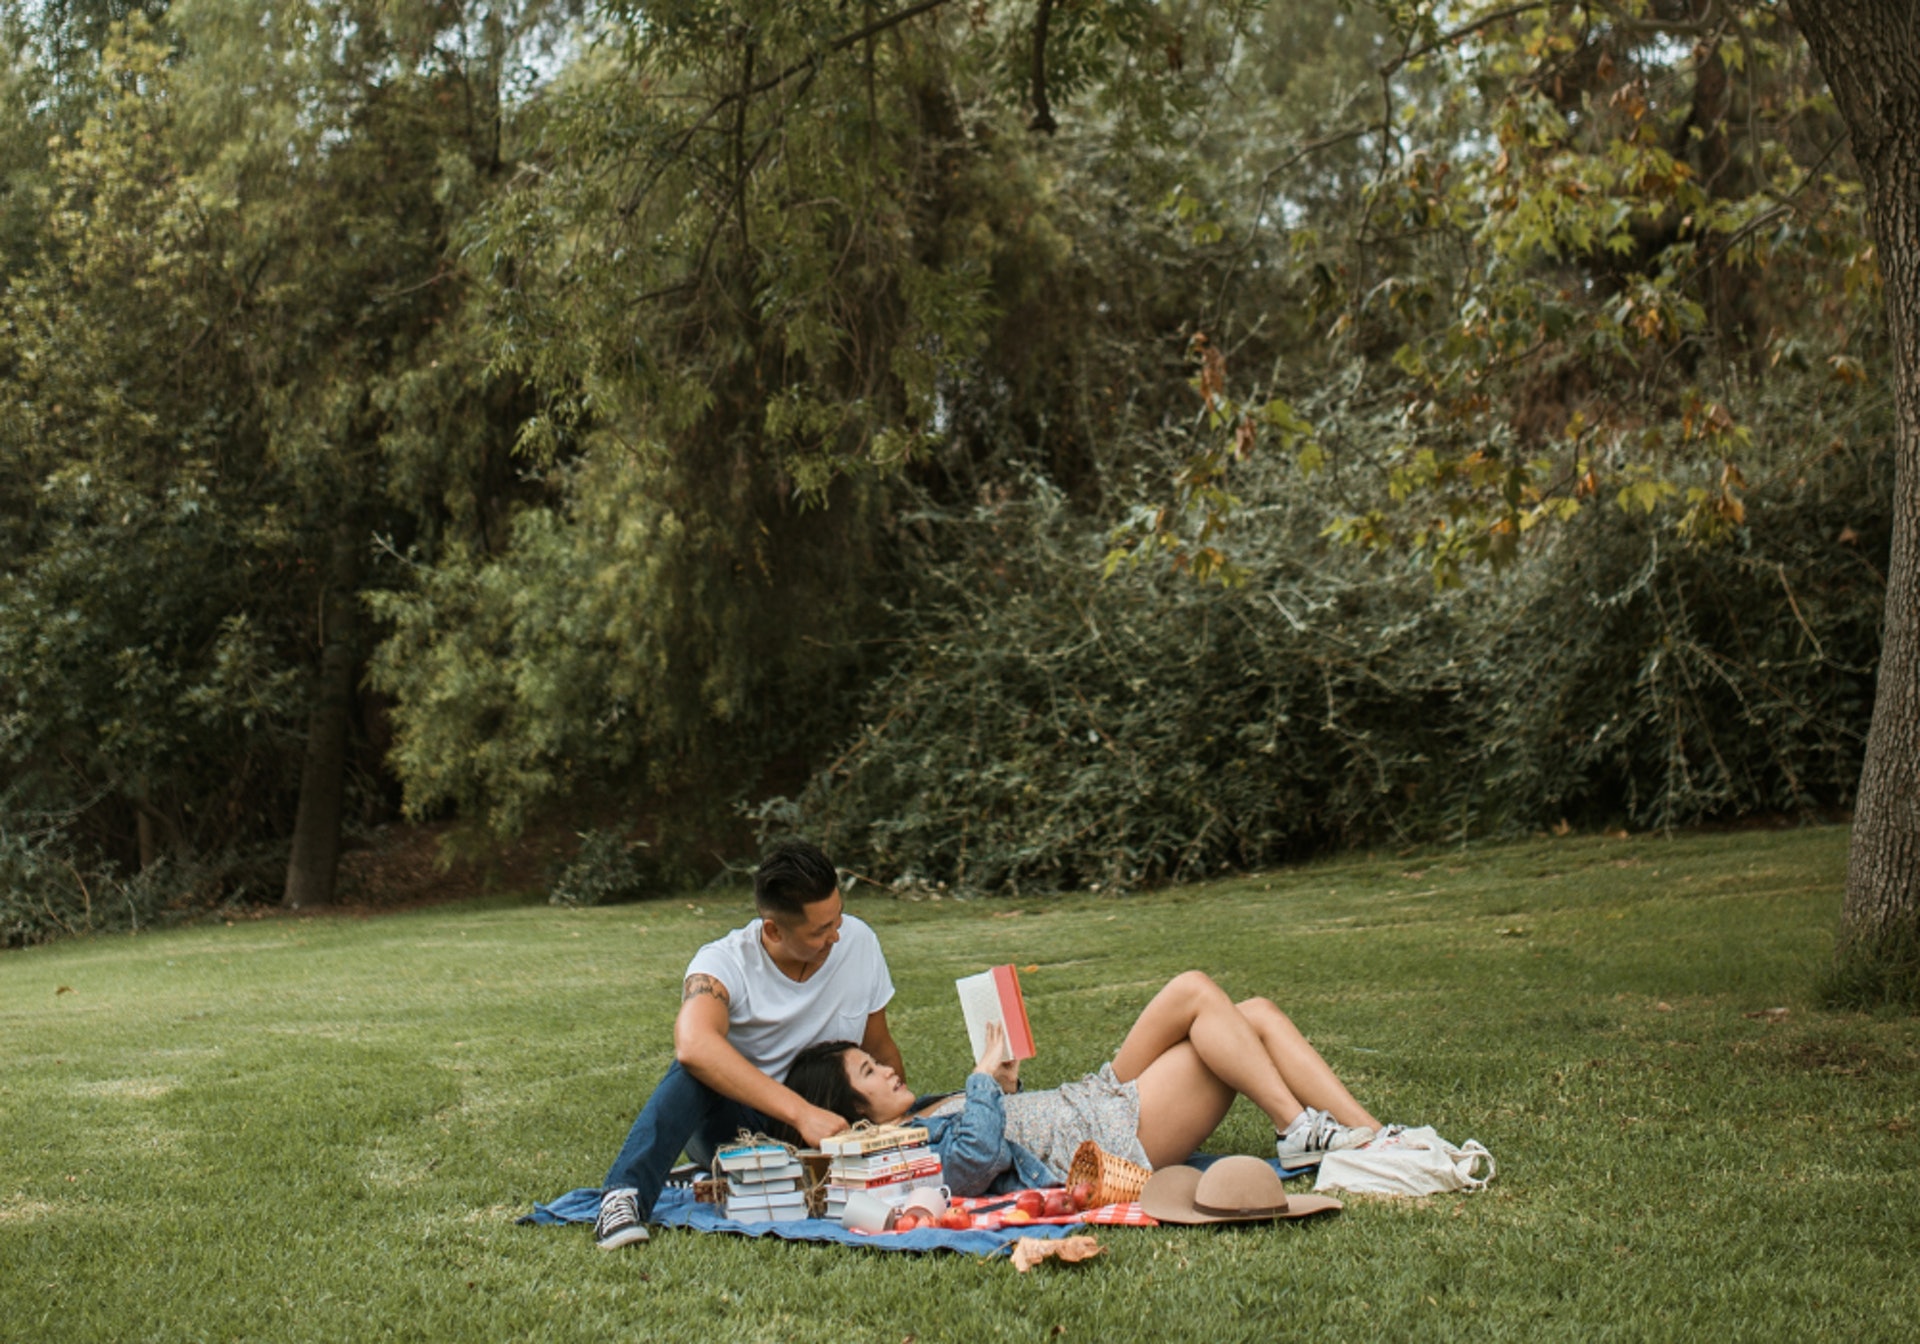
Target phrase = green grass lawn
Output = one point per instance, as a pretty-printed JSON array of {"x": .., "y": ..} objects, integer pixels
[{"x": 324, "y": 1128}]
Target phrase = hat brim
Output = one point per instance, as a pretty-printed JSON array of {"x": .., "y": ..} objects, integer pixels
[{"x": 1169, "y": 1192}]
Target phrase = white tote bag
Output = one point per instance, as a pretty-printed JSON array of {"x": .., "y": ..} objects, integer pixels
[{"x": 1407, "y": 1162}]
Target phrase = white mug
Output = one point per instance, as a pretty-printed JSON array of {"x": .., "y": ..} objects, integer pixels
[
  {"x": 930, "y": 1200},
  {"x": 865, "y": 1213}
]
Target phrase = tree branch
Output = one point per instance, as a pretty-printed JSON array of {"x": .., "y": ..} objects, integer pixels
[
  {"x": 838, "y": 44},
  {"x": 1464, "y": 30},
  {"x": 810, "y": 63}
]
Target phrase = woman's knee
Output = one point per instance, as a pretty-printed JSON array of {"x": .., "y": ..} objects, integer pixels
[
  {"x": 1259, "y": 1011},
  {"x": 1196, "y": 985}
]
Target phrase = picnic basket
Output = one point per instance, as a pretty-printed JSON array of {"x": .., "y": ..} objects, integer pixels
[{"x": 1114, "y": 1179}]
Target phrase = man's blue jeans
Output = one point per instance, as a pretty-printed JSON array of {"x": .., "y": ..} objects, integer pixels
[{"x": 683, "y": 1113}]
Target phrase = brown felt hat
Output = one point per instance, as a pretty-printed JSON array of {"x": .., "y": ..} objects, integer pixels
[{"x": 1232, "y": 1190}]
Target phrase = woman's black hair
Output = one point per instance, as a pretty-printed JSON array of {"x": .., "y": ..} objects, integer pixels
[{"x": 819, "y": 1075}]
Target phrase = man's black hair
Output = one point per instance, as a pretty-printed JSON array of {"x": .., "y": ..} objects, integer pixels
[{"x": 791, "y": 876}]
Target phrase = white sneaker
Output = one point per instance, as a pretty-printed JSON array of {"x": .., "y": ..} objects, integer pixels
[
  {"x": 1312, "y": 1135},
  {"x": 619, "y": 1221}
]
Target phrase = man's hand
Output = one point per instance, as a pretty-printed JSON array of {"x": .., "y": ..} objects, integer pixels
[{"x": 815, "y": 1124}]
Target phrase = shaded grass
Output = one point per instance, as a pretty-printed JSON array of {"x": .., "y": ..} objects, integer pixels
[{"x": 323, "y": 1129}]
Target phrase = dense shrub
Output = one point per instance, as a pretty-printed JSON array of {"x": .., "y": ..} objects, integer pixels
[
  {"x": 49, "y": 889},
  {"x": 607, "y": 868},
  {"x": 54, "y": 884},
  {"x": 1050, "y": 729}
]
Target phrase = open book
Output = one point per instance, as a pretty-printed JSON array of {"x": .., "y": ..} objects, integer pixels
[{"x": 994, "y": 996}]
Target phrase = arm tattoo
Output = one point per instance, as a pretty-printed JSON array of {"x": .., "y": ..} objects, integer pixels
[{"x": 703, "y": 984}]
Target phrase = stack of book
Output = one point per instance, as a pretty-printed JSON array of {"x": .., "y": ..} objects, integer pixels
[
  {"x": 887, "y": 1162},
  {"x": 764, "y": 1183}
]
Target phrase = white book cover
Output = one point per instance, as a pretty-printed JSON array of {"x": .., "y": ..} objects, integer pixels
[
  {"x": 893, "y": 1195},
  {"x": 994, "y": 996},
  {"x": 764, "y": 1203},
  {"x": 750, "y": 1176},
  {"x": 750, "y": 1189}
]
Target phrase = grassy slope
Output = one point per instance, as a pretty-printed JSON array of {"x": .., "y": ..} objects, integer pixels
[{"x": 323, "y": 1129}]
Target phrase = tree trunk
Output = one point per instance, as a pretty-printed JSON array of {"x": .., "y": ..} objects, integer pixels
[
  {"x": 315, "y": 859},
  {"x": 1869, "y": 51},
  {"x": 143, "y": 825}
]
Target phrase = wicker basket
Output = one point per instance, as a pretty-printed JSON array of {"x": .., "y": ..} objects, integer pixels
[{"x": 1114, "y": 1179}]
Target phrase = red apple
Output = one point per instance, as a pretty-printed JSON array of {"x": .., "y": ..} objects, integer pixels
[
  {"x": 1030, "y": 1202},
  {"x": 956, "y": 1220},
  {"x": 1058, "y": 1203},
  {"x": 1082, "y": 1195},
  {"x": 906, "y": 1222}
]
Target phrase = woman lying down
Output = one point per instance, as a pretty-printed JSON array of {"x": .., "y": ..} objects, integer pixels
[{"x": 1190, "y": 1052}]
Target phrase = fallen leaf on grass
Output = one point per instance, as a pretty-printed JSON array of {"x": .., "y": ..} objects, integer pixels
[
  {"x": 1770, "y": 1014},
  {"x": 64, "y": 989},
  {"x": 1030, "y": 1251}
]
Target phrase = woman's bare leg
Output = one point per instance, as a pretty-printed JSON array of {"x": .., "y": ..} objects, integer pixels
[
  {"x": 1309, "y": 1077},
  {"x": 1181, "y": 1104},
  {"x": 1195, "y": 1011}
]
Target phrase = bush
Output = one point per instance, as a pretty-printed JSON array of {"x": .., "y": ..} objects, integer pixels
[
  {"x": 48, "y": 889},
  {"x": 1053, "y": 730},
  {"x": 607, "y": 868},
  {"x": 53, "y": 885}
]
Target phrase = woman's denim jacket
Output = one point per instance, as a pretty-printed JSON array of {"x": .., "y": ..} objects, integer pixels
[{"x": 975, "y": 1156}]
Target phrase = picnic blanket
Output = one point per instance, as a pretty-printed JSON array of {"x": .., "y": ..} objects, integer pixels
[{"x": 676, "y": 1208}]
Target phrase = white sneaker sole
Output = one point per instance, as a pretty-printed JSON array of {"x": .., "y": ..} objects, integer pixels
[
  {"x": 626, "y": 1236},
  {"x": 1302, "y": 1161}
]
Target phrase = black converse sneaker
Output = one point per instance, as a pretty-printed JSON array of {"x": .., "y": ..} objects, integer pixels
[
  {"x": 619, "y": 1221},
  {"x": 1312, "y": 1135}
]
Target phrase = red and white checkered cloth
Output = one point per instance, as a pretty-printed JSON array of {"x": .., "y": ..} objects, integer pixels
[{"x": 1110, "y": 1215}]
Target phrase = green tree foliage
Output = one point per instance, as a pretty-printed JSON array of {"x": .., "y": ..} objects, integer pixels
[
  {"x": 762, "y": 263},
  {"x": 1599, "y": 245},
  {"x": 1576, "y": 262},
  {"x": 1052, "y": 729},
  {"x": 240, "y": 333},
  {"x": 758, "y": 369}
]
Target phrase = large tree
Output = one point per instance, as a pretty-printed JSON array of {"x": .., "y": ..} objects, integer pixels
[
  {"x": 1870, "y": 53},
  {"x": 235, "y": 360}
]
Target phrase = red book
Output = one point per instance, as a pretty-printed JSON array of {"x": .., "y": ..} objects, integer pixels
[{"x": 995, "y": 996}]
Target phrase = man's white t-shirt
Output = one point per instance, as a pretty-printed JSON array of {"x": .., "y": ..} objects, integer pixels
[{"x": 771, "y": 1017}]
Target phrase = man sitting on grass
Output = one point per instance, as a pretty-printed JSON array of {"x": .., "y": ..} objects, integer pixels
[{"x": 799, "y": 973}]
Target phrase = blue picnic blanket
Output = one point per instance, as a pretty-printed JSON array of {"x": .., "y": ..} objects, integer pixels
[{"x": 676, "y": 1208}]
